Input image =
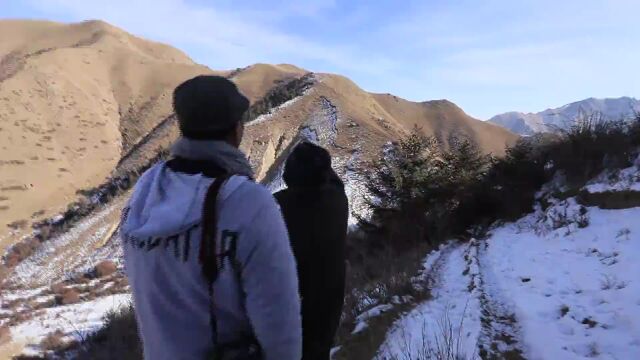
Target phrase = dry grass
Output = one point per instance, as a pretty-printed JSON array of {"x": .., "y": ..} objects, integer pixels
[
  {"x": 373, "y": 279},
  {"x": 445, "y": 343},
  {"x": 18, "y": 225},
  {"x": 118, "y": 339},
  {"x": 105, "y": 268},
  {"x": 365, "y": 344},
  {"x": 38, "y": 214},
  {"x": 54, "y": 341},
  {"x": 68, "y": 296},
  {"x": 14, "y": 188}
]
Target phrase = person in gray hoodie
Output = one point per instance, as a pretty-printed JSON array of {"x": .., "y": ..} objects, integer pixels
[{"x": 232, "y": 292}]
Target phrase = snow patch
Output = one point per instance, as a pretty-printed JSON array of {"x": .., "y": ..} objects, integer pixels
[
  {"x": 321, "y": 127},
  {"x": 620, "y": 180},
  {"x": 575, "y": 293},
  {"x": 76, "y": 321},
  {"x": 51, "y": 262}
]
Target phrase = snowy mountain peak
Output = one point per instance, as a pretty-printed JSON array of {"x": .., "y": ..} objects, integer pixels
[{"x": 564, "y": 116}]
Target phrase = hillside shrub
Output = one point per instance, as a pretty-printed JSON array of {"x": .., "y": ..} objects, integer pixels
[
  {"x": 18, "y": 225},
  {"x": 118, "y": 338},
  {"x": 506, "y": 191},
  {"x": 592, "y": 145},
  {"x": 415, "y": 189},
  {"x": 634, "y": 130},
  {"x": 105, "y": 268},
  {"x": 54, "y": 341},
  {"x": 68, "y": 296},
  {"x": 423, "y": 194},
  {"x": 278, "y": 95}
]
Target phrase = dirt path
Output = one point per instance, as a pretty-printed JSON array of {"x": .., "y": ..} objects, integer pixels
[
  {"x": 467, "y": 315},
  {"x": 500, "y": 335}
]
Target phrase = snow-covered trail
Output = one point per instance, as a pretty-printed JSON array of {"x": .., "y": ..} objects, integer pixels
[
  {"x": 560, "y": 283},
  {"x": 454, "y": 306}
]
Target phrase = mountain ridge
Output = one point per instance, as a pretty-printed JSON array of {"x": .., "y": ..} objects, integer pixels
[{"x": 564, "y": 116}]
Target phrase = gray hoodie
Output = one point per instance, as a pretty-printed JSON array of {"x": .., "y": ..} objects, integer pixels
[{"x": 161, "y": 239}]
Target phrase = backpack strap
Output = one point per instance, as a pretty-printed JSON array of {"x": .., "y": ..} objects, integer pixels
[
  {"x": 211, "y": 268},
  {"x": 207, "y": 255}
]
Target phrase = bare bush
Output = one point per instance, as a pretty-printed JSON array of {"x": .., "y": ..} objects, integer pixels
[
  {"x": 375, "y": 278},
  {"x": 623, "y": 233},
  {"x": 592, "y": 145},
  {"x": 105, "y": 268},
  {"x": 54, "y": 341},
  {"x": 68, "y": 296},
  {"x": 445, "y": 342},
  {"x": 610, "y": 282},
  {"x": 18, "y": 225}
]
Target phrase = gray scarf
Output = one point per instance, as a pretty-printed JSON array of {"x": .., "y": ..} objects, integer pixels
[{"x": 221, "y": 153}]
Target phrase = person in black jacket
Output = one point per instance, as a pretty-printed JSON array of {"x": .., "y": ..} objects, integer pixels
[{"x": 315, "y": 209}]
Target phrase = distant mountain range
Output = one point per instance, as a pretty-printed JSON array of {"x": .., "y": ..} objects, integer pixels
[{"x": 564, "y": 116}]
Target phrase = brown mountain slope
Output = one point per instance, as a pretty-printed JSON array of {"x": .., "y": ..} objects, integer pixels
[
  {"x": 257, "y": 79},
  {"x": 79, "y": 102},
  {"x": 354, "y": 124},
  {"x": 73, "y": 98},
  {"x": 442, "y": 118}
]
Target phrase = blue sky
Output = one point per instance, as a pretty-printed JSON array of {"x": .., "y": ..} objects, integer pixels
[{"x": 487, "y": 56}]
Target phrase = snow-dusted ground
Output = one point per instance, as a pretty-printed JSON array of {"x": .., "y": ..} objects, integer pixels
[
  {"x": 560, "y": 283},
  {"x": 75, "y": 321},
  {"x": 619, "y": 180},
  {"x": 31, "y": 311},
  {"x": 576, "y": 290},
  {"x": 64, "y": 255},
  {"x": 361, "y": 320},
  {"x": 350, "y": 171}
]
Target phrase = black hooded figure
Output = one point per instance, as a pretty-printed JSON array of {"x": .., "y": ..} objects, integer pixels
[{"x": 315, "y": 209}]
